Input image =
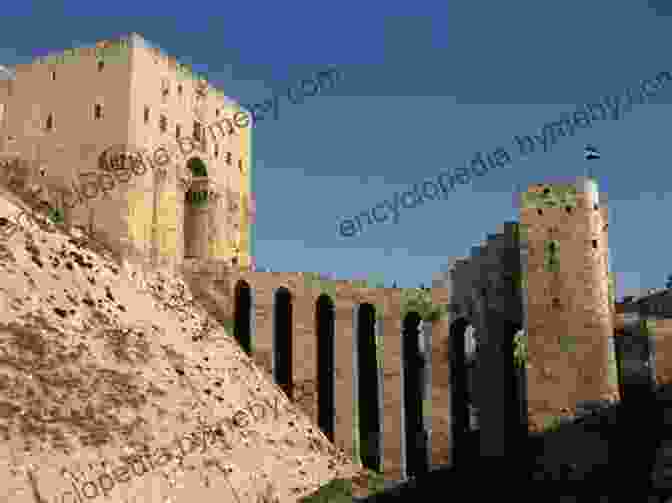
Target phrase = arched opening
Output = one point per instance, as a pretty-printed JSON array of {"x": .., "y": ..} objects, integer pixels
[
  {"x": 515, "y": 413},
  {"x": 635, "y": 354},
  {"x": 197, "y": 167},
  {"x": 282, "y": 341},
  {"x": 196, "y": 212},
  {"x": 368, "y": 389},
  {"x": 417, "y": 452},
  {"x": 242, "y": 328},
  {"x": 459, "y": 390},
  {"x": 325, "y": 320}
]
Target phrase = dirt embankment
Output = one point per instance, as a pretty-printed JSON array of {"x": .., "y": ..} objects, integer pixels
[{"x": 116, "y": 386}]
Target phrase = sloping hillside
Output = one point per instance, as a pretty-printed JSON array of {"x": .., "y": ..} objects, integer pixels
[{"x": 116, "y": 387}]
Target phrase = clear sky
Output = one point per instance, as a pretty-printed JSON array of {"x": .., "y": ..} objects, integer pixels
[{"x": 426, "y": 86}]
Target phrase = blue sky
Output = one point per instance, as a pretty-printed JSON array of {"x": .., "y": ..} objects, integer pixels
[{"x": 426, "y": 86}]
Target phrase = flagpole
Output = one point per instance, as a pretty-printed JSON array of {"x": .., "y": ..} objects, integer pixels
[{"x": 590, "y": 153}]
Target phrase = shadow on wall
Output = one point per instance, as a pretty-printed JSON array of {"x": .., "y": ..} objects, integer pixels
[
  {"x": 573, "y": 451},
  {"x": 584, "y": 456}
]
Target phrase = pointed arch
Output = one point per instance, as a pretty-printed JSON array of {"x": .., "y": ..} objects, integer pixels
[
  {"x": 196, "y": 220},
  {"x": 197, "y": 167}
]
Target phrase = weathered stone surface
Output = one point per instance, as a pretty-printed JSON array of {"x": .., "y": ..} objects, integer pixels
[{"x": 117, "y": 383}]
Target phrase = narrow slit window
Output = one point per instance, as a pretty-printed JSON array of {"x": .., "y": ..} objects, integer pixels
[
  {"x": 49, "y": 126},
  {"x": 53, "y": 75},
  {"x": 551, "y": 256},
  {"x": 146, "y": 115},
  {"x": 163, "y": 124},
  {"x": 98, "y": 111},
  {"x": 178, "y": 131}
]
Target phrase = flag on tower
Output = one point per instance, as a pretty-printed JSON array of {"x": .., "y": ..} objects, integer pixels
[{"x": 591, "y": 153}]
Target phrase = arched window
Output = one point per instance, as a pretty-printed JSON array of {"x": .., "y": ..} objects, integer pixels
[{"x": 197, "y": 167}]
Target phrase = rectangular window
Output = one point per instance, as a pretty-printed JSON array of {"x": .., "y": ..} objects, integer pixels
[
  {"x": 146, "y": 115},
  {"x": 101, "y": 65},
  {"x": 53, "y": 75},
  {"x": 178, "y": 132},
  {"x": 163, "y": 123},
  {"x": 197, "y": 131},
  {"x": 49, "y": 126},
  {"x": 97, "y": 111}
]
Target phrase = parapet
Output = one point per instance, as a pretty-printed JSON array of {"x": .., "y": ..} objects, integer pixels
[{"x": 107, "y": 48}]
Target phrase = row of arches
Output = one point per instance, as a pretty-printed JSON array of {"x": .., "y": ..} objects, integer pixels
[
  {"x": 485, "y": 385},
  {"x": 367, "y": 389},
  {"x": 510, "y": 410}
]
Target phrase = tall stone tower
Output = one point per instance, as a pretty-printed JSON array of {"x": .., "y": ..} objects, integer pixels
[
  {"x": 568, "y": 298},
  {"x": 59, "y": 113}
]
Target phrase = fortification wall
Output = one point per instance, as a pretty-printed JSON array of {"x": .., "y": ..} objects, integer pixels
[
  {"x": 346, "y": 295},
  {"x": 482, "y": 290}
]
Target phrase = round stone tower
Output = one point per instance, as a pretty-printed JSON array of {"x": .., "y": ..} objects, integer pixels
[{"x": 569, "y": 298}]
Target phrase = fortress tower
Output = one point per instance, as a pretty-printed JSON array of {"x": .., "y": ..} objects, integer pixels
[
  {"x": 568, "y": 297},
  {"x": 59, "y": 113}
]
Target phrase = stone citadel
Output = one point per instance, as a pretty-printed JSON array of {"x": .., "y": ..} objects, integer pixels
[{"x": 390, "y": 391}]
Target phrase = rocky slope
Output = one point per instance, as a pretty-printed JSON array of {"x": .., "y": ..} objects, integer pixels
[{"x": 116, "y": 386}]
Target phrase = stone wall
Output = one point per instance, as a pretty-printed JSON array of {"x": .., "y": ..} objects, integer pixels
[
  {"x": 346, "y": 295},
  {"x": 482, "y": 290}
]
